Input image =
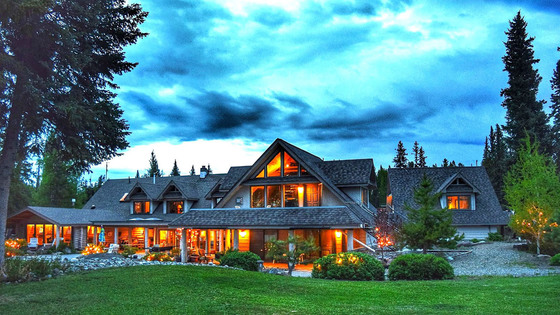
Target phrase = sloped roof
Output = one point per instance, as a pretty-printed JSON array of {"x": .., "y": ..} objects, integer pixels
[
  {"x": 112, "y": 190},
  {"x": 69, "y": 216},
  {"x": 349, "y": 172},
  {"x": 403, "y": 181},
  {"x": 309, "y": 217}
]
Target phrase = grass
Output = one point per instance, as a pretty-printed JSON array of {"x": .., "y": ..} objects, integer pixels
[{"x": 188, "y": 289}]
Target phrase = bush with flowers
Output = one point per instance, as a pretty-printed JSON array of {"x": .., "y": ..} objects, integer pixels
[{"x": 348, "y": 266}]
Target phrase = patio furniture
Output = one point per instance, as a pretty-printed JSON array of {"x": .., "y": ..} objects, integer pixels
[{"x": 33, "y": 243}]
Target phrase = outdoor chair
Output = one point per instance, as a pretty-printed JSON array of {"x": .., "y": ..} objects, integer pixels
[{"x": 33, "y": 243}]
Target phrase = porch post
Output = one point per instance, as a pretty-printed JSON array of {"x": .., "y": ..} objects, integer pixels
[
  {"x": 235, "y": 239},
  {"x": 350, "y": 240},
  {"x": 291, "y": 246},
  {"x": 95, "y": 235},
  {"x": 220, "y": 240},
  {"x": 116, "y": 238},
  {"x": 206, "y": 242},
  {"x": 183, "y": 245},
  {"x": 146, "y": 239},
  {"x": 56, "y": 235},
  {"x": 60, "y": 235}
]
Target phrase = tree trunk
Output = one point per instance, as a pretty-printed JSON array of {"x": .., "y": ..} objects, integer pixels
[
  {"x": 7, "y": 163},
  {"x": 291, "y": 266},
  {"x": 538, "y": 243}
]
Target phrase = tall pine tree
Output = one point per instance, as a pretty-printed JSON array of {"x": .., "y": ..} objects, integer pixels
[
  {"x": 494, "y": 160},
  {"x": 400, "y": 159},
  {"x": 175, "y": 171},
  {"x": 524, "y": 112},
  {"x": 555, "y": 113},
  {"x": 154, "y": 168},
  {"x": 421, "y": 158}
]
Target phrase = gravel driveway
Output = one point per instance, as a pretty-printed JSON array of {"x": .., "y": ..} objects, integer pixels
[{"x": 500, "y": 259}]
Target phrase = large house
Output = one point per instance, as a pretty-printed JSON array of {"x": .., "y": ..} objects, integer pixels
[
  {"x": 287, "y": 191},
  {"x": 466, "y": 191}
]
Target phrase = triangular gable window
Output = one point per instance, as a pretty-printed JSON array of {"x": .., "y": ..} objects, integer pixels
[{"x": 282, "y": 164}]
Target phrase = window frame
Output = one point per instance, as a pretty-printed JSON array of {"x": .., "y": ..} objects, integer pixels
[
  {"x": 144, "y": 208},
  {"x": 263, "y": 172},
  {"x": 282, "y": 187},
  {"x": 458, "y": 201},
  {"x": 171, "y": 202}
]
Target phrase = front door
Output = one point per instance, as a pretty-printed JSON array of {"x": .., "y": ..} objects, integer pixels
[
  {"x": 256, "y": 243},
  {"x": 312, "y": 195}
]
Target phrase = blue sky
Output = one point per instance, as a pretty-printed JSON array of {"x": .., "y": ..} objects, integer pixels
[{"x": 218, "y": 81}]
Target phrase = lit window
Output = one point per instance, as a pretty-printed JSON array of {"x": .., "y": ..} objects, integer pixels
[
  {"x": 459, "y": 202},
  {"x": 274, "y": 167},
  {"x": 175, "y": 206},
  {"x": 257, "y": 197},
  {"x": 291, "y": 196},
  {"x": 141, "y": 207},
  {"x": 274, "y": 196},
  {"x": 290, "y": 166},
  {"x": 261, "y": 174}
]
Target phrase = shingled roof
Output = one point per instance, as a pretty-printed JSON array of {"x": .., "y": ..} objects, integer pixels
[
  {"x": 349, "y": 172},
  {"x": 68, "y": 216},
  {"x": 309, "y": 217},
  {"x": 403, "y": 181}
]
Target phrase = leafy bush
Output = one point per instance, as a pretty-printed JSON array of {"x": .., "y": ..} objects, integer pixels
[
  {"x": 348, "y": 266},
  {"x": 420, "y": 267},
  {"x": 495, "y": 237},
  {"x": 31, "y": 269},
  {"x": 61, "y": 248},
  {"x": 93, "y": 249},
  {"x": 243, "y": 260},
  {"x": 475, "y": 240},
  {"x": 128, "y": 251},
  {"x": 14, "y": 247},
  {"x": 555, "y": 260},
  {"x": 157, "y": 257}
]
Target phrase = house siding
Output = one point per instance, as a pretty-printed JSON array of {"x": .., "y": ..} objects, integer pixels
[
  {"x": 478, "y": 232},
  {"x": 353, "y": 192}
]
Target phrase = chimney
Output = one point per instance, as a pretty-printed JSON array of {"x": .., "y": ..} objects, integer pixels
[{"x": 203, "y": 171}]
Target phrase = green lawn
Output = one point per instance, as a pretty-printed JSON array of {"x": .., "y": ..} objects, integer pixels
[{"x": 188, "y": 289}]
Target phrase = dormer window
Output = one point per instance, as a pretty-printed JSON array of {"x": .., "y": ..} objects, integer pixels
[
  {"x": 459, "y": 202},
  {"x": 175, "y": 206},
  {"x": 141, "y": 207}
]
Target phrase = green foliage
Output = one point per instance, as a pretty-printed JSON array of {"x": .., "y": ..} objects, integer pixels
[
  {"x": 420, "y": 267},
  {"x": 379, "y": 194},
  {"x": 22, "y": 270},
  {"x": 61, "y": 248},
  {"x": 495, "y": 237},
  {"x": 128, "y": 251},
  {"x": 427, "y": 225},
  {"x": 175, "y": 171},
  {"x": 555, "y": 112},
  {"x": 157, "y": 257},
  {"x": 348, "y": 266},
  {"x": 525, "y": 114},
  {"x": 555, "y": 260},
  {"x": 154, "y": 168},
  {"x": 495, "y": 160},
  {"x": 243, "y": 260},
  {"x": 400, "y": 160},
  {"x": 532, "y": 189},
  {"x": 280, "y": 250},
  {"x": 475, "y": 240}
]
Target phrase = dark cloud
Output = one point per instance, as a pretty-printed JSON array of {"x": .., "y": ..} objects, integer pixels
[{"x": 272, "y": 17}]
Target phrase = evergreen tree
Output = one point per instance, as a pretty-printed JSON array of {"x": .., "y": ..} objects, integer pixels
[
  {"x": 452, "y": 164},
  {"x": 137, "y": 174},
  {"x": 524, "y": 113},
  {"x": 421, "y": 158},
  {"x": 555, "y": 113},
  {"x": 400, "y": 159},
  {"x": 57, "y": 65},
  {"x": 381, "y": 190},
  {"x": 416, "y": 150},
  {"x": 154, "y": 168},
  {"x": 59, "y": 183},
  {"x": 209, "y": 169},
  {"x": 427, "y": 225},
  {"x": 494, "y": 160},
  {"x": 175, "y": 171},
  {"x": 192, "y": 172},
  {"x": 445, "y": 163},
  {"x": 86, "y": 189}
]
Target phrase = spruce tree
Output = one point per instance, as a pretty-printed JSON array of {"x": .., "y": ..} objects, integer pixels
[
  {"x": 381, "y": 187},
  {"x": 154, "y": 168},
  {"x": 555, "y": 113},
  {"x": 400, "y": 159},
  {"x": 416, "y": 151},
  {"x": 421, "y": 158},
  {"x": 445, "y": 163},
  {"x": 494, "y": 160},
  {"x": 524, "y": 112},
  {"x": 175, "y": 171},
  {"x": 192, "y": 171}
]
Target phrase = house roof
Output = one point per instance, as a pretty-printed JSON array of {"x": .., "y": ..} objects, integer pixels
[
  {"x": 309, "y": 217},
  {"x": 403, "y": 181},
  {"x": 67, "y": 216},
  {"x": 319, "y": 169}
]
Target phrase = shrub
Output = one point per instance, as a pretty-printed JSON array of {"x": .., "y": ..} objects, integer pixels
[
  {"x": 348, "y": 266},
  {"x": 25, "y": 270},
  {"x": 14, "y": 247},
  {"x": 555, "y": 260},
  {"x": 475, "y": 240},
  {"x": 243, "y": 260},
  {"x": 420, "y": 267},
  {"x": 128, "y": 251},
  {"x": 157, "y": 257},
  {"x": 93, "y": 249},
  {"x": 495, "y": 237}
]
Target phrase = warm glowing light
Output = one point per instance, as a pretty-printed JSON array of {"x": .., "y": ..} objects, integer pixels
[
  {"x": 203, "y": 234},
  {"x": 338, "y": 234},
  {"x": 243, "y": 233},
  {"x": 93, "y": 249},
  {"x": 300, "y": 189}
]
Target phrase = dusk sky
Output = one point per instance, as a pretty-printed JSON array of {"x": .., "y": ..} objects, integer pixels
[{"x": 219, "y": 81}]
